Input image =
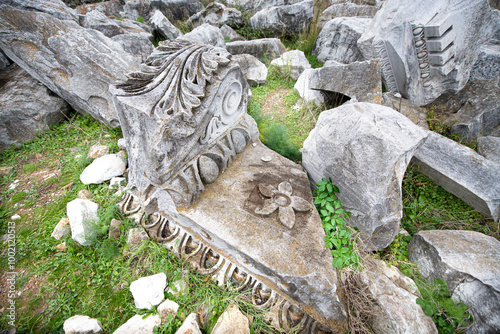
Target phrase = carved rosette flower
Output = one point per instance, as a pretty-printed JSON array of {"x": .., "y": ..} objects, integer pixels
[{"x": 282, "y": 200}]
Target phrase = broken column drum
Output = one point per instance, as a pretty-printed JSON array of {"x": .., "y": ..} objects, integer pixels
[{"x": 199, "y": 187}]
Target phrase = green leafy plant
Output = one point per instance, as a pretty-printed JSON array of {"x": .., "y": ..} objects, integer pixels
[
  {"x": 339, "y": 237},
  {"x": 448, "y": 316}
]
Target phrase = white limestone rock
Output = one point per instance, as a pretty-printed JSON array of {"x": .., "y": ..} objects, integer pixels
[
  {"x": 167, "y": 308},
  {"x": 217, "y": 15},
  {"x": 28, "y": 107},
  {"x": 138, "y": 325},
  {"x": 394, "y": 296},
  {"x": 177, "y": 10},
  {"x": 207, "y": 34},
  {"x": 163, "y": 26},
  {"x": 55, "y": 8},
  {"x": 232, "y": 321},
  {"x": 283, "y": 20},
  {"x": 82, "y": 324},
  {"x": 338, "y": 40},
  {"x": 62, "y": 228},
  {"x": 138, "y": 45},
  {"x": 346, "y": 9},
  {"x": 462, "y": 172},
  {"x": 230, "y": 34},
  {"x": 104, "y": 169},
  {"x": 264, "y": 49},
  {"x": 365, "y": 148},
  {"x": 83, "y": 220},
  {"x": 189, "y": 326},
  {"x": 148, "y": 291},
  {"x": 489, "y": 147},
  {"x": 294, "y": 61},
  {"x": 253, "y": 70},
  {"x": 98, "y": 21},
  {"x": 427, "y": 47},
  {"x": 469, "y": 262},
  {"x": 305, "y": 92}
]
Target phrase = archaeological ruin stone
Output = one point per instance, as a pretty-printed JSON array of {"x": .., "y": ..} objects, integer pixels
[
  {"x": 230, "y": 34},
  {"x": 83, "y": 219},
  {"x": 284, "y": 20},
  {"x": 98, "y": 21},
  {"x": 82, "y": 324},
  {"x": 338, "y": 40},
  {"x": 293, "y": 62},
  {"x": 149, "y": 291},
  {"x": 139, "y": 324},
  {"x": 104, "y": 169},
  {"x": 305, "y": 92},
  {"x": 217, "y": 14},
  {"x": 253, "y": 69},
  {"x": 189, "y": 326},
  {"x": 56, "y": 8},
  {"x": 346, "y": 9},
  {"x": 200, "y": 187},
  {"x": 77, "y": 64},
  {"x": 427, "y": 47},
  {"x": 163, "y": 27},
  {"x": 359, "y": 80},
  {"x": 28, "y": 107},
  {"x": 265, "y": 49},
  {"x": 489, "y": 147},
  {"x": 469, "y": 262},
  {"x": 177, "y": 10},
  {"x": 462, "y": 172},
  {"x": 365, "y": 148},
  {"x": 207, "y": 34}
]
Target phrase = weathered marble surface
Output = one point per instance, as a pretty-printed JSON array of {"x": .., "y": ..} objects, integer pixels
[
  {"x": 217, "y": 15},
  {"x": 265, "y": 49}
]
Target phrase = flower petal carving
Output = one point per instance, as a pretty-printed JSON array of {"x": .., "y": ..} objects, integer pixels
[
  {"x": 300, "y": 204},
  {"x": 267, "y": 190},
  {"x": 267, "y": 208},
  {"x": 287, "y": 216},
  {"x": 285, "y": 187}
]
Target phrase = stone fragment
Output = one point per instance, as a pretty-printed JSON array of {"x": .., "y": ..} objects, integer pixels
[
  {"x": 110, "y": 8},
  {"x": 82, "y": 324},
  {"x": 114, "y": 229},
  {"x": 189, "y": 326},
  {"x": 427, "y": 47},
  {"x": 359, "y": 80},
  {"x": 62, "y": 228},
  {"x": 469, "y": 262},
  {"x": 97, "y": 151},
  {"x": 265, "y": 49},
  {"x": 462, "y": 172},
  {"x": 472, "y": 112},
  {"x": 217, "y": 15},
  {"x": 117, "y": 183},
  {"x": 305, "y": 92},
  {"x": 83, "y": 220},
  {"x": 85, "y": 194},
  {"x": 104, "y": 169},
  {"x": 28, "y": 107},
  {"x": 167, "y": 309},
  {"x": 253, "y": 69},
  {"x": 230, "y": 34},
  {"x": 394, "y": 309},
  {"x": 338, "y": 40},
  {"x": 487, "y": 66},
  {"x": 253, "y": 6},
  {"x": 98, "y": 21},
  {"x": 284, "y": 20},
  {"x": 178, "y": 10},
  {"x": 136, "y": 236},
  {"x": 163, "y": 27},
  {"x": 365, "y": 148},
  {"x": 122, "y": 144},
  {"x": 346, "y": 9},
  {"x": 232, "y": 321},
  {"x": 138, "y": 325},
  {"x": 133, "y": 9},
  {"x": 137, "y": 44},
  {"x": 416, "y": 114},
  {"x": 55, "y": 8},
  {"x": 78, "y": 63},
  {"x": 294, "y": 62},
  {"x": 489, "y": 147},
  {"x": 207, "y": 34},
  {"x": 148, "y": 291}
]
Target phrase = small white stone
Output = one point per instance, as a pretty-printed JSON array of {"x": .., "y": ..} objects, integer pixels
[
  {"x": 82, "y": 324},
  {"x": 61, "y": 229},
  {"x": 148, "y": 291},
  {"x": 104, "y": 169},
  {"x": 189, "y": 326},
  {"x": 83, "y": 217},
  {"x": 15, "y": 217}
]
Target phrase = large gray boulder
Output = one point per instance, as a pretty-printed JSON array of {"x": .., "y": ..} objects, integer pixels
[
  {"x": 472, "y": 112},
  {"x": 394, "y": 295},
  {"x": 469, "y": 262},
  {"x": 265, "y": 49},
  {"x": 284, "y": 20},
  {"x": 253, "y": 6},
  {"x": 359, "y": 80},
  {"x": 416, "y": 114},
  {"x": 217, "y": 14},
  {"x": 136, "y": 44},
  {"x": 253, "y": 69},
  {"x": 133, "y": 9},
  {"x": 177, "y": 10},
  {"x": 293, "y": 62},
  {"x": 28, "y": 107},
  {"x": 489, "y": 147},
  {"x": 56, "y": 8},
  {"x": 77, "y": 64},
  {"x": 462, "y": 172},
  {"x": 427, "y": 47},
  {"x": 365, "y": 148},
  {"x": 232, "y": 321},
  {"x": 230, "y": 34},
  {"x": 338, "y": 40},
  {"x": 4, "y": 61},
  {"x": 110, "y": 8},
  {"x": 346, "y": 9},
  {"x": 206, "y": 34},
  {"x": 163, "y": 27},
  {"x": 189, "y": 326}
]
